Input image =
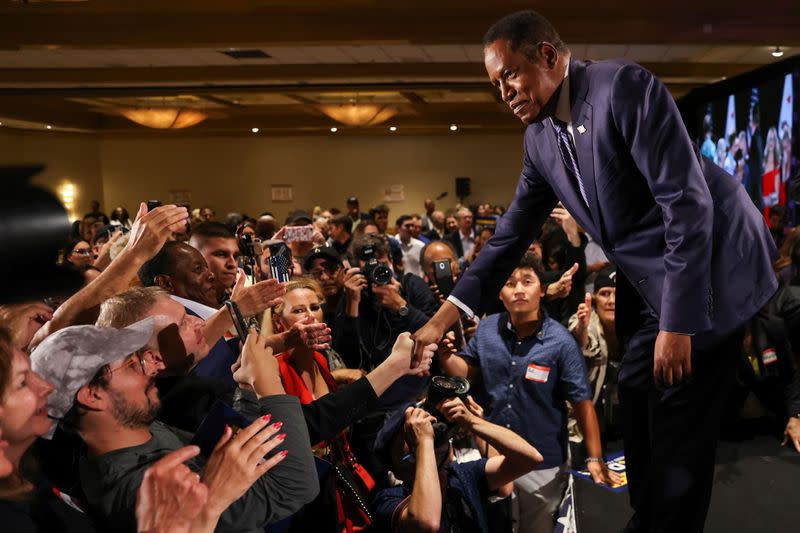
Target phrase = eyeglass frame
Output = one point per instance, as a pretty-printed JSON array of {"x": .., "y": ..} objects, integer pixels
[{"x": 330, "y": 270}]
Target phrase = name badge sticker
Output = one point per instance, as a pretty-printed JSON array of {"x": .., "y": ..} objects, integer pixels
[
  {"x": 769, "y": 356},
  {"x": 537, "y": 373}
]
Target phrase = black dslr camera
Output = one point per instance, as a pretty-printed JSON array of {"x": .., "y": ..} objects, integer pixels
[
  {"x": 376, "y": 273},
  {"x": 444, "y": 388}
]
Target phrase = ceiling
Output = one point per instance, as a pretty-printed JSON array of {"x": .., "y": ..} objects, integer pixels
[{"x": 73, "y": 64}]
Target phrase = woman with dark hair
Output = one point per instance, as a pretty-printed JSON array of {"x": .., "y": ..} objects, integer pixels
[
  {"x": 28, "y": 502},
  {"x": 120, "y": 217}
]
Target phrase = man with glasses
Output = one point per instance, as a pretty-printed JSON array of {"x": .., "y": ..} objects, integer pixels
[
  {"x": 324, "y": 264},
  {"x": 105, "y": 392}
]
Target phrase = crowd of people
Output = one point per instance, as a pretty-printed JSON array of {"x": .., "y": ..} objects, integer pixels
[
  {"x": 135, "y": 403},
  {"x": 250, "y": 375}
]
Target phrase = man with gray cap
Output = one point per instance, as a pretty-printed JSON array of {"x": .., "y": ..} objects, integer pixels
[{"x": 105, "y": 392}]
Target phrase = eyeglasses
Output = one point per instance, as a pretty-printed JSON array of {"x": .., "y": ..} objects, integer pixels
[
  {"x": 142, "y": 361},
  {"x": 330, "y": 270},
  {"x": 82, "y": 251}
]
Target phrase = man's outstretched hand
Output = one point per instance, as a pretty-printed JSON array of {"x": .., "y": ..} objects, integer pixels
[{"x": 433, "y": 331}]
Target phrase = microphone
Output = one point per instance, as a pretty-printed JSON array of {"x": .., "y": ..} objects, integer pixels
[{"x": 442, "y": 195}]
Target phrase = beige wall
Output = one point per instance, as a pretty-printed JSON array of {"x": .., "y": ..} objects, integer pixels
[
  {"x": 236, "y": 173},
  {"x": 71, "y": 159}
]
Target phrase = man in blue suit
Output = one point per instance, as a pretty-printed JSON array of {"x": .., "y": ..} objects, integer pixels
[{"x": 693, "y": 254}]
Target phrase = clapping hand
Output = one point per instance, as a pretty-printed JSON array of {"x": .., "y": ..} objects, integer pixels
[
  {"x": 238, "y": 461},
  {"x": 171, "y": 496}
]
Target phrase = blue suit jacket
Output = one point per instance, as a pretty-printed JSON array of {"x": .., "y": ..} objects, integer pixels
[{"x": 685, "y": 235}]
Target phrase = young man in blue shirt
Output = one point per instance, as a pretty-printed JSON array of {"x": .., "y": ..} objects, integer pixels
[{"x": 527, "y": 366}]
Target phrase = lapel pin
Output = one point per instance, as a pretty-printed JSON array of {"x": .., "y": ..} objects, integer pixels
[{"x": 581, "y": 129}]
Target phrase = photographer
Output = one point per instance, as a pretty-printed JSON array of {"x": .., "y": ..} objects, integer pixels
[
  {"x": 423, "y": 459},
  {"x": 378, "y": 306}
]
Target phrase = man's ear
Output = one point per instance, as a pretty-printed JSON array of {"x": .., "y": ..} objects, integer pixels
[
  {"x": 549, "y": 54},
  {"x": 92, "y": 397},
  {"x": 164, "y": 282}
]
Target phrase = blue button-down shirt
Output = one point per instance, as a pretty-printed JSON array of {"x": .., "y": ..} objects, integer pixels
[{"x": 525, "y": 382}]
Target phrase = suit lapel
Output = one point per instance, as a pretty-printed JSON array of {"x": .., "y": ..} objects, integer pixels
[
  {"x": 561, "y": 181},
  {"x": 583, "y": 131}
]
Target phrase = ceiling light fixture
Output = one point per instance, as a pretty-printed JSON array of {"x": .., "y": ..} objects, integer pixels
[
  {"x": 358, "y": 114},
  {"x": 49, "y": 127},
  {"x": 164, "y": 118},
  {"x": 392, "y": 128},
  {"x": 334, "y": 130},
  {"x": 777, "y": 52},
  {"x": 254, "y": 130},
  {"x": 453, "y": 127}
]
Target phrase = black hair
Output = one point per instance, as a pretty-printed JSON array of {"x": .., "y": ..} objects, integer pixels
[
  {"x": 379, "y": 244},
  {"x": 378, "y": 209},
  {"x": 161, "y": 263},
  {"x": 212, "y": 229},
  {"x": 529, "y": 260},
  {"x": 345, "y": 221},
  {"x": 524, "y": 30},
  {"x": 401, "y": 219}
]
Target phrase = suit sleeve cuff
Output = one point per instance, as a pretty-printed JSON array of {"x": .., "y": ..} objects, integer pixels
[{"x": 461, "y": 305}]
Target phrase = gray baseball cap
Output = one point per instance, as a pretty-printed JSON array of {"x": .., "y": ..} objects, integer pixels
[{"x": 70, "y": 358}]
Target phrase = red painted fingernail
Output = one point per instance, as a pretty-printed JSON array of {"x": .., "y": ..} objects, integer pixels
[
  {"x": 266, "y": 418},
  {"x": 284, "y": 453},
  {"x": 277, "y": 425},
  {"x": 281, "y": 436}
]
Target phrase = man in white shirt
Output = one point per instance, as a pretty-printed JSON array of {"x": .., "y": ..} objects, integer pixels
[
  {"x": 410, "y": 246},
  {"x": 463, "y": 239}
]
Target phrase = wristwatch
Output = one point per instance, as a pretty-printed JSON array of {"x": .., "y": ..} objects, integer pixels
[{"x": 403, "y": 311}]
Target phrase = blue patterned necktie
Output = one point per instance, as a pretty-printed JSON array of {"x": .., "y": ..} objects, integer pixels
[{"x": 567, "y": 150}]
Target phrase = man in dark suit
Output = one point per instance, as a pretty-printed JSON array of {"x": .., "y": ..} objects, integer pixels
[
  {"x": 693, "y": 254},
  {"x": 463, "y": 238}
]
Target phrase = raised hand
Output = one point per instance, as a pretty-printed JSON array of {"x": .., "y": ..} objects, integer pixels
[
  {"x": 418, "y": 426},
  {"x": 238, "y": 461},
  {"x": 584, "y": 316},
  {"x": 454, "y": 410},
  {"x": 171, "y": 496},
  {"x": 315, "y": 335},
  {"x": 152, "y": 229},
  {"x": 563, "y": 286},
  {"x": 255, "y": 298}
]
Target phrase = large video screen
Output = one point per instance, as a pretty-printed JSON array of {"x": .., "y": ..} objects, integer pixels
[{"x": 752, "y": 134}]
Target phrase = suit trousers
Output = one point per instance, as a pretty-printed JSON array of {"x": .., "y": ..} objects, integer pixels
[{"x": 671, "y": 434}]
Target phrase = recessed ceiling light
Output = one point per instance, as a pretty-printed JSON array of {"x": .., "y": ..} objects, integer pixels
[
  {"x": 49, "y": 127},
  {"x": 453, "y": 127},
  {"x": 254, "y": 130},
  {"x": 392, "y": 128},
  {"x": 334, "y": 130},
  {"x": 777, "y": 52}
]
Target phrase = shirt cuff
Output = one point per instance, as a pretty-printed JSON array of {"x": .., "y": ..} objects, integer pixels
[{"x": 464, "y": 309}]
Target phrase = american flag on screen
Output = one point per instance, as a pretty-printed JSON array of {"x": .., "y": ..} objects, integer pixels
[{"x": 280, "y": 262}]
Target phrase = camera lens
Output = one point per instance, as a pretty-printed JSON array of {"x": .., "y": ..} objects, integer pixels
[{"x": 381, "y": 275}]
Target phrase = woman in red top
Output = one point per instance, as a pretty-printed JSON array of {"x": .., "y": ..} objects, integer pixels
[{"x": 305, "y": 374}]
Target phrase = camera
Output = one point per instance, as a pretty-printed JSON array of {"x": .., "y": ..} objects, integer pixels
[
  {"x": 444, "y": 388},
  {"x": 376, "y": 273}
]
